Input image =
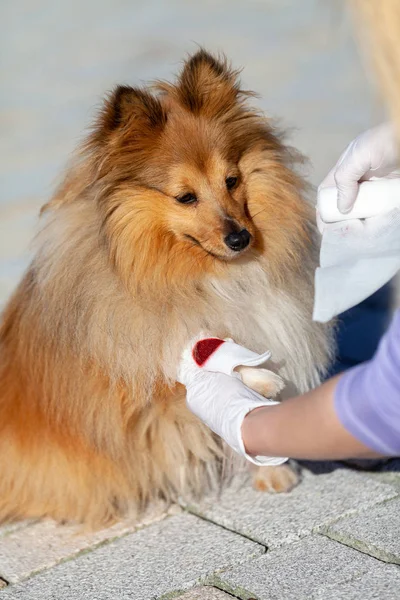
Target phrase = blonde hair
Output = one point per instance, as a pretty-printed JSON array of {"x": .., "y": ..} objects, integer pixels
[{"x": 378, "y": 27}]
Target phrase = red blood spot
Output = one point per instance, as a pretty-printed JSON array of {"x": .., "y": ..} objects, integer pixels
[{"x": 204, "y": 348}]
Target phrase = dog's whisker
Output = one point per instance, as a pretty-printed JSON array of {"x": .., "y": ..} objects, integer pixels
[{"x": 259, "y": 212}]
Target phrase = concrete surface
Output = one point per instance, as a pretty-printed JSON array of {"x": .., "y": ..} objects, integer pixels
[
  {"x": 165, "y": 558},
  {"x": 41, "y": 545},
  {"x": 389, "y": 473},
  {"x": 375, "y": 532},
  {"x": 274, "y": 520},
  {"x": 306, "y": 570},
  {"x": 382, "y": 583},
  {"x": 57, "y": 60},
  {"x": 205, "y": 593}
]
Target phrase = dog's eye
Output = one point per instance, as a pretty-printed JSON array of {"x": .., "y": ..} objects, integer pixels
[
  {"x": 187, "y": 199},
  {"x": 231, "y": 182}
]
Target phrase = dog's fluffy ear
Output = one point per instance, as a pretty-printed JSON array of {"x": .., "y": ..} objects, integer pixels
[
  {"x": 206, "y": 86},
  {"x": 130, "y": 105}
]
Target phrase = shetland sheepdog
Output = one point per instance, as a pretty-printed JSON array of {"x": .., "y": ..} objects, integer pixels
[{"x": 181, "y": 212}]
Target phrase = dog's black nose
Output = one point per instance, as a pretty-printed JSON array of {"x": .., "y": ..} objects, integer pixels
[{"x": 238, "y": 241}]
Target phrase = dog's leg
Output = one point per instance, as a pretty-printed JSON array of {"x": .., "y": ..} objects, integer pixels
[
  {"x": 275, "y": 479},
  {"x": 269, "y": 479},
  {"x": 262, "y": 381}
]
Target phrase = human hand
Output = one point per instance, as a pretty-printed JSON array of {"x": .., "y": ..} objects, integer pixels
[
  {"x": 222, "y": 402},
  {"x": 372, "y": 155},
  {"x": 216, "y": 393}
]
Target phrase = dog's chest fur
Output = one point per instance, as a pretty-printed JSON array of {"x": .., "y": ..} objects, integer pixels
[
  {"x": 246, "y": 308},
  {"x": 133, "y": 335}
]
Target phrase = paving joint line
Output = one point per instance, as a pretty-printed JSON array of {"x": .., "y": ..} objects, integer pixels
[
  {"x": 342, "y": 543},
  {"x": 207, "y": 520},
  {"x": 82, "y": 552},
  {"x": 358, "y": 511},
  {"x": 230, "y": 594},
  {"x": 176, "y": 594}
]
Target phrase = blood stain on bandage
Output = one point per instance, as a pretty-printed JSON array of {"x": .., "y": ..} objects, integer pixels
[{"x": 204, "y": 348}]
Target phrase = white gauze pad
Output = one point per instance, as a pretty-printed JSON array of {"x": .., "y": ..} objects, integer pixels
[{"x": 360, "y": 251}]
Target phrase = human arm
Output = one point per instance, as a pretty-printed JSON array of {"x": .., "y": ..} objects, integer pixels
[
  {"x": 353, "y": 415},
  {"x": 304, "y": 427}
]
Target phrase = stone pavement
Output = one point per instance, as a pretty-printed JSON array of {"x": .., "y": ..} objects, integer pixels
[{"x": 336, "y": 536}]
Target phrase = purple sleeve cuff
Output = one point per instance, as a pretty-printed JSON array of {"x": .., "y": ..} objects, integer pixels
[{"x": 367, "y": 397}]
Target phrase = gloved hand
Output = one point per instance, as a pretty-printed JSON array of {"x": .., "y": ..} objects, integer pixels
[
  {"x": 359, "y": 246},
  {"x": 372, "y": 155},
  {"x": 218, "y": 396}
]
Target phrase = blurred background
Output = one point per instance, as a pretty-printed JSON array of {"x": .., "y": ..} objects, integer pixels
[{"x": 59, "y": 57}]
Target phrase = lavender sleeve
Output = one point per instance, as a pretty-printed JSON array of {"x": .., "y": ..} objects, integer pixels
[{"x": 367, "y": 397}]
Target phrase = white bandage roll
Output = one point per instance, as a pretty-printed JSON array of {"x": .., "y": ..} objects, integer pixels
[{"x": 360, "y": 251}]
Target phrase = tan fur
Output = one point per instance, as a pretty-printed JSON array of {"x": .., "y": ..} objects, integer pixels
[
  {"x": 265, "y": 382},
  {"x": 92, "y": 422},
  {"x": 275, "y": 479}
]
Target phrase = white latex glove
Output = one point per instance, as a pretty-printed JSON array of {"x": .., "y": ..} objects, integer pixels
[
  {"x": 372, "y": 155},
  {"x": 357, "y": 258},
  {"x": 218, "y": 396}
]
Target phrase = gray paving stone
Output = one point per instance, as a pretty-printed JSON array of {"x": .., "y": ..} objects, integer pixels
[
  {"x": 390, "y": 471},
  {"x": 8, "y": 528},
  {"x": 376, "y": 531},
  {"x": 205, "y": 593},
  {"x": 382, "y": 584},
  {"x": 29, "y": 549},
  {"x": 306, "y": 570},
  {"x": 166, "y": 558},
  {"x": 278, "y": 519},
  {"x": 392, "y": 478}
]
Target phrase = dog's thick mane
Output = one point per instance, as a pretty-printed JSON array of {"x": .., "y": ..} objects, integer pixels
[{"x": 130, "y": 336}]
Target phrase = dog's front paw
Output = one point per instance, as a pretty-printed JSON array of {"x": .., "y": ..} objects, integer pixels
[
  {"x": 275, "y": 479},
  {"x": 262, "y": 381}
]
